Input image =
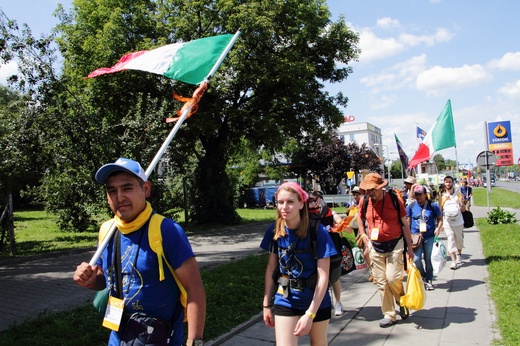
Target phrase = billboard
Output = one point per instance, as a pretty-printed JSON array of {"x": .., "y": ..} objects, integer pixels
[{"x": 501, "y": 142}]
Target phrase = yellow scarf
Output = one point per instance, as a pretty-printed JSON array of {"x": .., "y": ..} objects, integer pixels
[{"x": 139, "y": 221}]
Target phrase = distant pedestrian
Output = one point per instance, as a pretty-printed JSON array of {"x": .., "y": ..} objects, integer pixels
[
  {"x": 302, "y": 303},
  {"x": 342, "y": 187},
  {"x": 386, "y": 228},
  {"x": 320, "y": 211},
  {"x": 425, "y": 219},
  {"x": 453, "y": 222},
  {"x": 409, "y": 182},
  {"x": 467, "y": 192}
]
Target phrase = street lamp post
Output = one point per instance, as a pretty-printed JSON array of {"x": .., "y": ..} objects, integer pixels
[{"x": 383, "y": 156}]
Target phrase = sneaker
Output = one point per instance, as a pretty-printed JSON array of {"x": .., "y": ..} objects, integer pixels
[
  {"x": 404, "y": 312},
  {"x": 453, "y": 265},
  {"x": 429, "y": 286},
  {"x": 459, "y": 260},
  {"x": 338, "y": 310},
  {"x": 386, "y": 322}
]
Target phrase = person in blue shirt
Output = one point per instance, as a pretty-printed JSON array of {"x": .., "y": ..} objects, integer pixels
[
  {"x": 142, "y": 291},
  {"x": 297, "y": 272},
  {"x": 425, "y": 218},
  {"x": 467, "y": 192}
]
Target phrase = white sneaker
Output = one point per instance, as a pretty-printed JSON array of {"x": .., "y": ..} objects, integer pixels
[
  {"x": 459, "y": 260},
  {"x": 338, "y": 310},
  {"x": 453, "y": 265}
]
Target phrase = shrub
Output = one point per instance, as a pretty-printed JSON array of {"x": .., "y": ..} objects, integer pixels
[{"x": 498, "y": 215}]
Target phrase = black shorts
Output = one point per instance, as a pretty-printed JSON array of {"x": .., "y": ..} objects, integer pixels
[{"x": 322, "y": 314}]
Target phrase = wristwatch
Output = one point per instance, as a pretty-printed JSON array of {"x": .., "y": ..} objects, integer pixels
[{"x": 196, "y": 342}]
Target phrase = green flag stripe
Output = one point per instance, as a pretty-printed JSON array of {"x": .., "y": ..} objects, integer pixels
[{"x": 194, "y": 60}]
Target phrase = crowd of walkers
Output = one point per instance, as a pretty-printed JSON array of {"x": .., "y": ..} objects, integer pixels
[{"x": 392, "y": 227}]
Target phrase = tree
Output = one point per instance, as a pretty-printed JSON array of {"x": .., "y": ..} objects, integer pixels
[
  {"x": 269, "y": 90},
  {"x": 328, "y": 158},
  {"x": 439, "y": 160}
]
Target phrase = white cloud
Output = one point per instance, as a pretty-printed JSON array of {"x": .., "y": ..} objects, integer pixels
[
  {"x": 375, "y": 48},
  {"x": 511, "y": 89},
  {"x": 397, "y": 76},
  {"x": 509, "y": 61},
  {"x": 7, "y": 70},
  {"x": 388, "y": 22},
  {"x": 441, "y": 35},
  {"x": 439, "y": 79},
  {"x": 382, "y": 102}
]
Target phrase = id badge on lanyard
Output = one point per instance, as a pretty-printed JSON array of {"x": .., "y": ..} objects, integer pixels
[{"x": 114, "y": 313}]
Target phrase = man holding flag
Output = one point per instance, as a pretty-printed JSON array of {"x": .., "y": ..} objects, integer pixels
[
  {"x": 146, "y": 303},
  {"x": 141, "y": 303}
]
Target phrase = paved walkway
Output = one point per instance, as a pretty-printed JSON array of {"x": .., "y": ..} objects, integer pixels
[{"x": 458, "y": 312}]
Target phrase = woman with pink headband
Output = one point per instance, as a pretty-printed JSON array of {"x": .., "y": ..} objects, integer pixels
[{"x": 297, "y": 272}]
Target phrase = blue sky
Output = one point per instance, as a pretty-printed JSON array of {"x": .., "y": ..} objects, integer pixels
[{"x": 415, "y": 56}]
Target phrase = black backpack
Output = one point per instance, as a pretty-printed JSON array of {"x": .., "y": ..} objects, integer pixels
[{"x": 395, "y": 202}]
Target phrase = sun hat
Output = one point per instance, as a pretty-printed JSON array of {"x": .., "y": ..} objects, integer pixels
[
  {"x": 121, "y": 165},
  {"x": 295, "y": 186},
  {"x": 374, "y": 181},
  {"x": 410, "y": 180}
]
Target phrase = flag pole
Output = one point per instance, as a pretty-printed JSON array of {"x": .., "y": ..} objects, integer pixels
[{"x": 165, "y": 144}]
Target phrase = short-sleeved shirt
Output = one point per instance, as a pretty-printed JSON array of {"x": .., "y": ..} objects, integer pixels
[
  {"x": 428, "y": 213},
  {"x": 298, "y": 265},
  {"x": 466, "y": 192},
  {"x": 383, "y": 215},
  {"x": 142, "y": 290}
]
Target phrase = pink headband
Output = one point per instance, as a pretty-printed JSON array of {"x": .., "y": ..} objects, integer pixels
[{"x": 295, "y": 186}]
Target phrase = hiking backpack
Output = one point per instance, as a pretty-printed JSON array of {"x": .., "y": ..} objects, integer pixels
[{"x": 155, "y": 240}]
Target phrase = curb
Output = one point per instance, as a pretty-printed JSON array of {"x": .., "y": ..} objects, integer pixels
[{"x": 237, "y": 330}]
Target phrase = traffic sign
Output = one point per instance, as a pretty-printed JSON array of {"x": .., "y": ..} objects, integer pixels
[{"x": 486, "y": 159}]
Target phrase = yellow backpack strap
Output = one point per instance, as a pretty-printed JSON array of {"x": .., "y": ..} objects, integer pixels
[
  {"x": 155, "y": 240},
  {"x": 103, "y": 230}
]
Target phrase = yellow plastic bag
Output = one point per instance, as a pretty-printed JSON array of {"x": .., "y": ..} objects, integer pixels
[{"x": 415, "y": 296}]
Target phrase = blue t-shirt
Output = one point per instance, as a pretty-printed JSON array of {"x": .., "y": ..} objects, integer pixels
[
  {"x": 427, "y": 214},
  {"x": 142, "y": 290},
  {"x": 300, "y": 265},
  {"x": 465, "y": 191}
]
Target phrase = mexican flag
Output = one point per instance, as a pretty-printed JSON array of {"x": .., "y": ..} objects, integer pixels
[
  {"x": 188, "y": 62},
  {"x": 440, "y": 136}
]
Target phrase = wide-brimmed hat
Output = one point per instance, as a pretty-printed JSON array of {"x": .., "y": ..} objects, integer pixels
[
  {"x": 410, "y": 180},
  {"x": 374, "y": 181}
]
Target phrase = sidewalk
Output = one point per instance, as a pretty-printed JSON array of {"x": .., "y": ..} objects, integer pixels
[{"x": 459, "y": 311}]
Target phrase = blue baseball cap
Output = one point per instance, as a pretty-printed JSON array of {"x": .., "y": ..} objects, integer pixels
[{"x": 121, "y": 165}]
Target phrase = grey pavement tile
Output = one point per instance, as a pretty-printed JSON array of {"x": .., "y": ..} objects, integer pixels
[{"x": 464, "y": 329}]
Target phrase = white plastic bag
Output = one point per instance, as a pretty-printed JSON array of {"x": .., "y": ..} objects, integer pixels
[
  {"x": 359, "y": 260},
  {"x": 439, "y": 253}
]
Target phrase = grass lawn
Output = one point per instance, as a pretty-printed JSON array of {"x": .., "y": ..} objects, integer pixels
[
  {"x": 501, "y": 246},
  {"x": 497, "y": 198}
]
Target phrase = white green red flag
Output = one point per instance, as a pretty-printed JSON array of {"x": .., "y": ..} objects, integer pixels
[
  {"x": 440, "y": 136},
  {"x": 188, "y": 62}
]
